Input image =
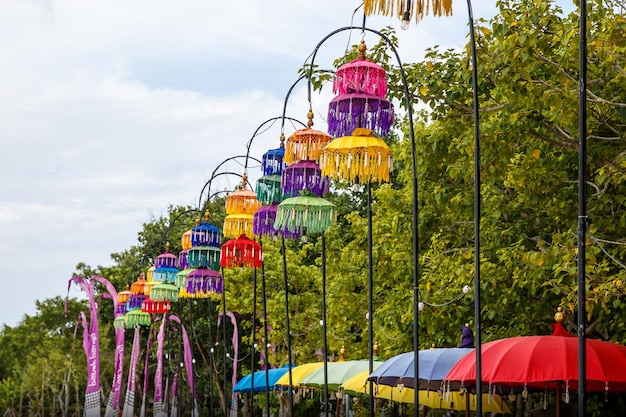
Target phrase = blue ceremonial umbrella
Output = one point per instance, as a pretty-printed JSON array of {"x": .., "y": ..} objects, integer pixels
[
  {"x": 245, "y": 383},
  {"x": 434, "y": 365}
]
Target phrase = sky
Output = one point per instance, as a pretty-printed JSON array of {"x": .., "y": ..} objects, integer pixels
[{"x": 110, "y": 111}]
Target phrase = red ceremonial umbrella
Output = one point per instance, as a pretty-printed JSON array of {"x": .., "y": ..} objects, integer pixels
[{"x": 545, "y": 363}]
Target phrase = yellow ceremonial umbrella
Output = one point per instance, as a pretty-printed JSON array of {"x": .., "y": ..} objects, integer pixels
[
  {"x": 360, "y": 158},
  {"x": 358, "y": 385},
  {"x": 297, "y": 373}
]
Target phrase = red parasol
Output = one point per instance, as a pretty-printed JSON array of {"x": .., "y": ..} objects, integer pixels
[
  {"x": 242, "y": 252},
  {"x": 545, "y": 362}
]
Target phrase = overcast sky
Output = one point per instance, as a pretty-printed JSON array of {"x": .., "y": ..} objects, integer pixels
[{"x": 112, "y": 110}]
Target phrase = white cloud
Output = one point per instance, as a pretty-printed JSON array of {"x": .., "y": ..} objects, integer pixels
[{"x": 113, "y": 110}]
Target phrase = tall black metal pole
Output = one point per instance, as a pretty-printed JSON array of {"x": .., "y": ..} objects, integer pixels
[
  {"x": 252, "y": 367},
  {"x": 324, "y": 328},
  {"x": 211, "y": 359},
  {"x": 226, "y": 394},
  {"x": 289, "y": 356},
  {"x": 370, "y": 298},
  {"x": 477, "y": 201},
  {"x": 582, "y": 211}
]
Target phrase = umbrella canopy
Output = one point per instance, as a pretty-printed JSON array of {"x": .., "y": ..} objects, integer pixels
[
  {"x": 297, "y": 373},
  {"x": 358, "y": 385},
  {"x": 304, "y": 175},
  {"x": 241, "y": 252},
  {"x": 357, "y": 158},
  {"x": 305, "y": 143},
  {"x": 347, "y": 112},
  {"x": 311, "y": 213},
  {"x": 545, "y": 362},
  {"x": 338, "y": 373},
  {"x": 245, "y": 383},
  {"x": 434, "y": 365},
  {"x": 361, "y": 76}
]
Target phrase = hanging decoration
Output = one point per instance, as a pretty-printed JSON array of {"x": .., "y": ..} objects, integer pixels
[
  {"x": 242, "y": 252},
  {"x": 361, "y": 86},
  {"x": 268, "y": 189},
  {"x": 240, "y": 208},
  {"x": 205, "y": 234},
  {"x": 270, "y": 192},
  {"x": 152, "y": 306},
  {"x": 136, "y": 300},
  {"x": 407, "y": 10},
  {"x": 305, "y": 143},
  {"x": 304, "y": 175},
  {"x": 120, "y": 306},
  {"x": 307, "y": 213},
  {"x": 164, "y": 292},
  {"x": 183, "y": 265},
  {"x": 204, "y": 282},
  {"x": 204, "y": 256},
  {"x": 138, "y": 286},
  {"x": 165, "y": 267},
  {"x": 201, "y": 279},
  {"x": 359, "y": 158},
  {"x": 272, "y": 161},
  {"x": 137, "y": 317},
  {"x": 360, "y": 76},
  {"x": 346, "y": 112}
]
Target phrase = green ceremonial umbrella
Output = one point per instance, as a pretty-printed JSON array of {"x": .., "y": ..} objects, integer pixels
[
  {"x": 306, "y": 212},
  {"x": 338, "y": 373}
]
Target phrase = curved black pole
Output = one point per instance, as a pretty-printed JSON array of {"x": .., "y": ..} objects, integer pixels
[
  {"x": 214, "y": 174},
  {"x": 582, "y": 212},
  {"x": 256, "y": 132},
  {"x": 407, "y": 97}
]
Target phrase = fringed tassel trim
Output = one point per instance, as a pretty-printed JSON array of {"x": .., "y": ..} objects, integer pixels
[
  {"x": 419, "y": 8},
  {"x": 366, "y": 79},
  {"x": 236, "y": 226},
  {"x": 305, "y": 144},
  {"x": 364, "y": 166},
  {"x": 241, "y": 205},
  {"x": 347, "y": 114},
  {"x": 312, "y": 219},
  {"x": 206, "y": 237}
]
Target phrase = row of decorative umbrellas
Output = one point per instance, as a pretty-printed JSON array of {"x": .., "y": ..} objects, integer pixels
[
  {"x": 393, "y": 379},
  {"x": 516, "y": 364}
]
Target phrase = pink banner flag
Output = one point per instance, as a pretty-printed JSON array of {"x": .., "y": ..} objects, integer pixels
[
  {"x": 129, "y": 401},
  {"x": 91, "y": 346}
]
